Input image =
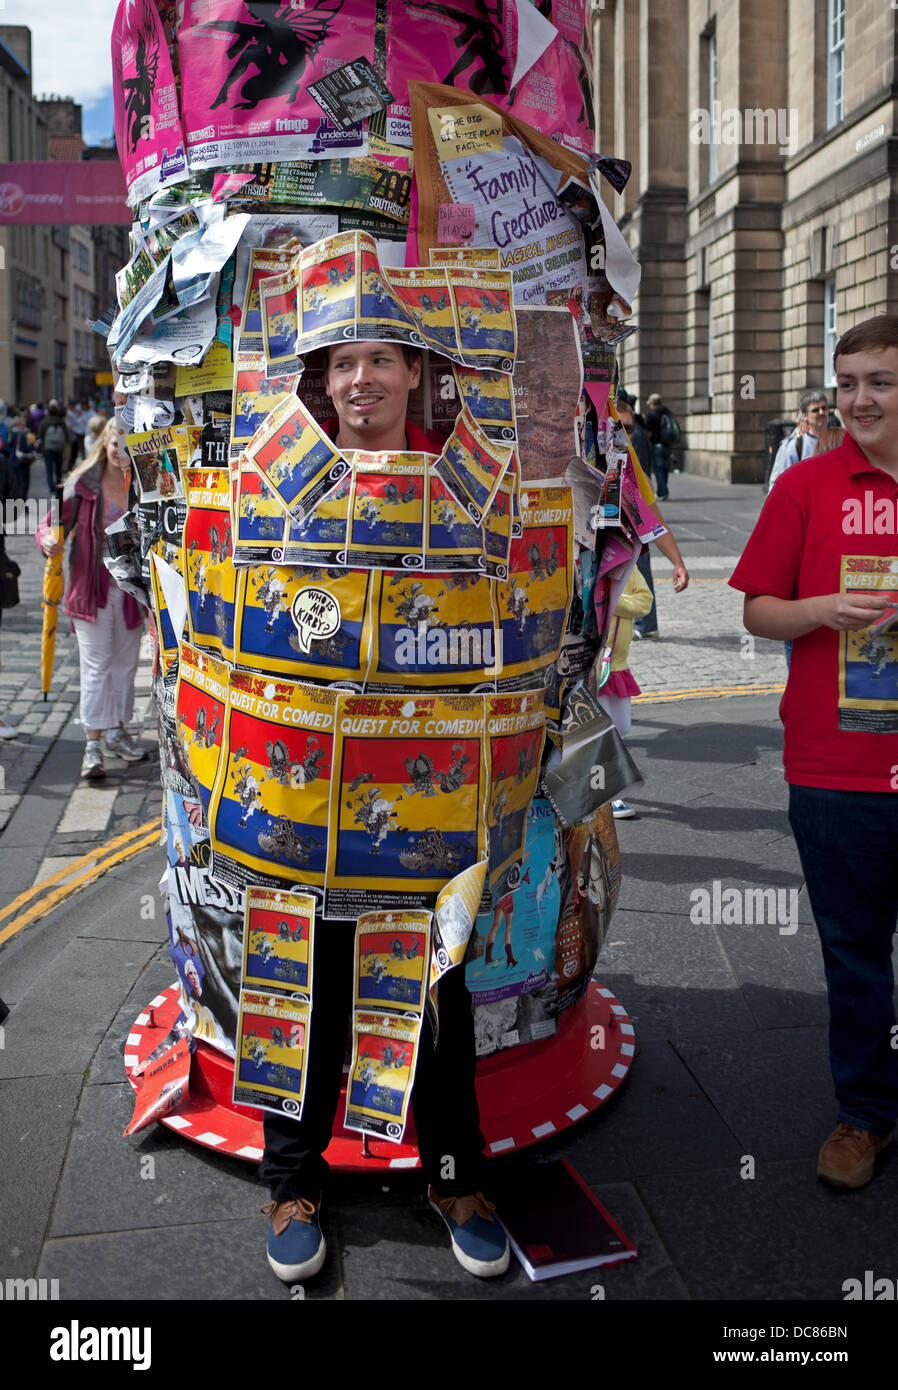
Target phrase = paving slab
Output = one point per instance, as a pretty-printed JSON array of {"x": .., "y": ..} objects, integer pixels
[
  {"x": 781, "y": 1235},
  {"x": 61, "y": 1020},
  {"x": 147, "y": 1179},
  {"x": 772, "y": 1087},
  {"x": 35, "y": 1122},
  {"x": 220, "y": 1261}
]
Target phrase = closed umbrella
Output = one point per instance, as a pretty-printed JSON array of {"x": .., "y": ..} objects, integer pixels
[{"x": 53, "y": 586}]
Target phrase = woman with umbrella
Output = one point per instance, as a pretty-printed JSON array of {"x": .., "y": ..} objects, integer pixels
[{"x": 108, "y": 623}]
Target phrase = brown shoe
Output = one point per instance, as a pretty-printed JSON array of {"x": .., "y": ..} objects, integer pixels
[{"x": 847, "y": 1158}]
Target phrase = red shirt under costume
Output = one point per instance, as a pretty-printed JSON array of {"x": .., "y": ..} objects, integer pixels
[
  {"x": 830, "y": 524},
  {"x": 418, "y": 441}
]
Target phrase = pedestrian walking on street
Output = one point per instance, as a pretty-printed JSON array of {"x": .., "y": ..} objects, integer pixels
[
  {"x": 648, "y": 626},
  {"x": 810, "y": 576},
  {"x": 108, "y": 623},
  {"x": 620, "y": 687},
  {"x": 664, "y": 434},
  {"x": 53, "y": 438},
  {"x": 802, "y": 443},
  {"x": 22, "y": 449},
  {"x": 9, "y": 571}
]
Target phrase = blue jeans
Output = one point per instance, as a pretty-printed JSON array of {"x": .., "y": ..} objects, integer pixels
[
  {"x": 848, "y": 846},
  {"x": 660, "y": 468},
  {"x": 650, "y": 622},
  {"x": 53, "y": 465}
]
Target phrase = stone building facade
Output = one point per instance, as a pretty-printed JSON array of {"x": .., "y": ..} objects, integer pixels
[{"x": 763, "y": 202}]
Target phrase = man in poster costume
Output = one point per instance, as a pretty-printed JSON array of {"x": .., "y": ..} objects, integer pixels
[{"x": 369, "y": 384}]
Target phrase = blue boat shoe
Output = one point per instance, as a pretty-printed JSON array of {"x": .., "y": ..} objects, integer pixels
[
  {"x": 296, "y": 1247},
  {"x": 479, "y": 1241}
]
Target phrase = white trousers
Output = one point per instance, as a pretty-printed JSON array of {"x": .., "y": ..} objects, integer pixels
[
  {"x": 617, "y": 707},
  {"x": 109, "y": 653}
]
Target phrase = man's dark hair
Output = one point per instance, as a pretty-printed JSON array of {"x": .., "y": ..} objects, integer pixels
[{"x": 879, "y": 332}]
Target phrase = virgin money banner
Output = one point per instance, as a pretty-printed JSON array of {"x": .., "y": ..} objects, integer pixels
[{"x": 57, "y": 192}]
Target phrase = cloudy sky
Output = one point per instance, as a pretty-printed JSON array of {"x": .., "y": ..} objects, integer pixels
[{"x": 70, "y": 53}]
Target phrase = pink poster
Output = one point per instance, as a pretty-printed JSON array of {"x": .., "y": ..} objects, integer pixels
[
  {"x": 555, "y": 96},
  {"x": 147, "y": 126},
  {"x": 246, "y": 68},
  {"x": 501, "y": 49},
  {"x": 59, "y": 193},
  {"x": 470, "y": 44}
]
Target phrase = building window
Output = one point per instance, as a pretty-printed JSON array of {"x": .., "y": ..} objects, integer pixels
[
  {"x": 81, "y": 256},
  {"x": 710, "y": 336},
  {"x": 830, "y": 332},
  {"x": 835, "y": 71},
  {"x": 703, "y": 372}
]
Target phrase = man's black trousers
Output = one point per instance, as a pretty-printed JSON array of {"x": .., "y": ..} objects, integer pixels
[{"x": 443, "y": 1099}]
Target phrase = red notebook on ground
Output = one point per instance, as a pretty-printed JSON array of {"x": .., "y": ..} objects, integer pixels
[{"x": 556, "y": 1225}]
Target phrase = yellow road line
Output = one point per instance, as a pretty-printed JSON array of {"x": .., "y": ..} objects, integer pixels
[
  {"x": 706, "y": 692},
  {"x": 116, "y": 851},
  {"x": 68, "y": 869}
]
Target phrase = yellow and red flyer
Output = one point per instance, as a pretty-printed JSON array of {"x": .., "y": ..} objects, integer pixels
[
  {"x": 206, "y": 541},
  {"x": 280, "y": 320},
  {"x": 489, "y": 398},
  {"x": 386, "y": 513},
  {"x": 382, "y": 1072},
  {"x": 262, "y": 264},
  {"x": 408, "y": 786},
  {"x": 472, "y": 465},
  {"x": 868, "y": 658},
  {"x": 534, "y": 601},
  {"x": 296, "y": 458},
  {"x": 433, "y": 631},
  {"x": 201, "y": 700},
  {"x": 303, "y": 622},
  {"x": 465, "y": 257},
  {"x": 484, "y": 311},
  {"x": 515, "y": 730},
  {"x": 260, "y": 520},
  {"x": 320, "y": 539},
  {"x": 328, "y": 291},
  {"x": 278, "y": 940},
  {"x": 255, "y": 396},
  {"x": 268, "y": 817},
  {"x": 272, "y": 1052},
  {"x": 392, "y": 960},
  {"x": 221, "y": 581},
  {"x": 453, "y": 541},
  {"x": 498, "y": 525}
]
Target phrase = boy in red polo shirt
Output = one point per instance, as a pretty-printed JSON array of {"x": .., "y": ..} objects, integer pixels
[{"x": 821, "y": 568}]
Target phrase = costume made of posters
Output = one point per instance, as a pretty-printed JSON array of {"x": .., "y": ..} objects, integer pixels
[{"x": 361, "y": 652}]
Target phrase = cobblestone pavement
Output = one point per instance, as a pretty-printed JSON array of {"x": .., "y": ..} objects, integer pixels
[{"x": 703, "y": 645}]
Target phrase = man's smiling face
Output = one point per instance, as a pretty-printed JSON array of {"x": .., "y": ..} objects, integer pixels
[
  {"x": 369, "y": 384},
  {"x": 867, "y": 398}
]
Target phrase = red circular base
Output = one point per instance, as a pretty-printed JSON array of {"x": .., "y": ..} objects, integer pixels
[{"x": 525, "y": 1093}]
